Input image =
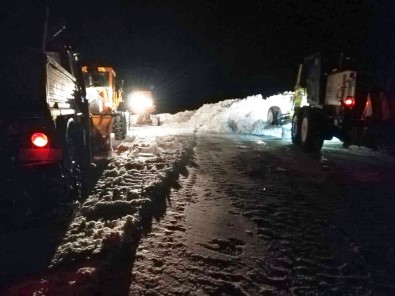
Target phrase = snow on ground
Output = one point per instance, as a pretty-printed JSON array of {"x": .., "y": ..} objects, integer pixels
[
  {"x": 143, "y": 162},
  {"x": 144, "y": 169},
  {"x": 145, "y": 166},
  {"x": 128, "y": 194}
]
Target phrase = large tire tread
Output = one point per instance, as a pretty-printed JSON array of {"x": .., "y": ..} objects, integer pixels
[
  {"x": 314, "y": 140},
  {"x": 274, "y": 114},
  {"x": 119, "y": 127}
]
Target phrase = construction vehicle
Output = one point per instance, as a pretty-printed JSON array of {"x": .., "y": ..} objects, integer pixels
[
  {"x": 104, "y": 97},
  {"x": 339, "y": 104},
  {"x": 142, "y": 107}
]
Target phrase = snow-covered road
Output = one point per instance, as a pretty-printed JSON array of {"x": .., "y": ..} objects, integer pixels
[
  {"x": 258, "y": 218},
  {"x": 214, "y": 202},
  {"x": 192, "y": 213}
]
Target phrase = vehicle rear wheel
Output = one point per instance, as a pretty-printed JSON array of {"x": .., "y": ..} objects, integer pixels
[
  {"x": 273, "y": 115},
  {"x": 310, "y": 131}
]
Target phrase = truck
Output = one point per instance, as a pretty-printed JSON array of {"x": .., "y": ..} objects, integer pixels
[
  {"x": 47, "y": 133},
  {"x": 105, "y": 98},
  {"x": 339, "y": 104}
]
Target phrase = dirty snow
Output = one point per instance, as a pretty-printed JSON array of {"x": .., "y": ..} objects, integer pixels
[
  {"x": 143, "y": 162},
  {"x": 134, "y": 188}
]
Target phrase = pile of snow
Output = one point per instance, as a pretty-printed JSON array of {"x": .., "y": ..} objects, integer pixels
[
  {"x": 245, "y": 116},
  {"x": 174, "y": 119}
]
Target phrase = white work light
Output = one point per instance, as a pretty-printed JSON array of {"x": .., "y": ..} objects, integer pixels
[{"x": 140, "y": 101}]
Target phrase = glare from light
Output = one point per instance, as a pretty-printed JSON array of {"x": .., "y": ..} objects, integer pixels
[
  {"x": 140, "y": 101},
  {"x": 39, "y": 139}
]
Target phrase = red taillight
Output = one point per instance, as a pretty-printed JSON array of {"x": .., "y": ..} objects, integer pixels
[
  {"x": 39, "y": 139},
  {"x": 349, "y": 102}
]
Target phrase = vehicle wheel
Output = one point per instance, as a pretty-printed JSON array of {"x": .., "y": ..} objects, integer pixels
[
  {"x": 273, "y": 115},
  {"x": 295, "y": 129},
  {"x": 310, "y": 131},
  {"x": 119, "y": 127}
]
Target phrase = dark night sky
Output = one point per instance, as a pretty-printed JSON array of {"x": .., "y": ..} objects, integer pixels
[{"x": 193, "y": 51}]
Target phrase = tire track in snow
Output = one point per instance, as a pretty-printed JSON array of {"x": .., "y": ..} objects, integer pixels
[
  {"x": 292, "y": 214},
  {"x": 210, "y": 257},
  {"x": 106, "y": 230},
  {"x": 157, "y": 265},
  {"x": 328, "y": 233}
]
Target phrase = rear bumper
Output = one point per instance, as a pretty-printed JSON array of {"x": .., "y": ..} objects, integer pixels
[
  {"x": 31, "y": 156},
  {"x": 30, "y": 162}
]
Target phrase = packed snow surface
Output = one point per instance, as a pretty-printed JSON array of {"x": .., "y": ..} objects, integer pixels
[
  {"x": 145, "y": 167},
  {"x": 137, "y": 167}
]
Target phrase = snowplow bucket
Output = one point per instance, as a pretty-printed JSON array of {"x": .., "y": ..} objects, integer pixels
[{"x": 102, "y": 128}]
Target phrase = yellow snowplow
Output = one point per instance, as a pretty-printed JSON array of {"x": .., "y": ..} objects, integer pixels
[{"x": 104, "y": 98}]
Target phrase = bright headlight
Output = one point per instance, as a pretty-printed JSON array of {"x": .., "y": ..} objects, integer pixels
[{"x": 139, "y": 101}]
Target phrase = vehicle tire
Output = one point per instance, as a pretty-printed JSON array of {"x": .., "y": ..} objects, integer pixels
[
  {"x": 119, "y": 127},
  {"x": 310, "y": 130},
  {"x": 295, "y": 129},
  {"x": 273, "y": 115}
]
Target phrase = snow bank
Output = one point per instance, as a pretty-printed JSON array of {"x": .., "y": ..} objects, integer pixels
[{"x": 246, "y": 116}]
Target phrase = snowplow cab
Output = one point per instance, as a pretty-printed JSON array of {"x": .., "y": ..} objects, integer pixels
[{"x": 102, "y": 92}]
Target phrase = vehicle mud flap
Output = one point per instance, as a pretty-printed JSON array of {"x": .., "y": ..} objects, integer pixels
[
  {"x": 310, "y": 132},
  {"x": 71, "y": 170},
  {"x": 155, "y": 120},
  {"x": 372, "y": 135},
  {"x": 296, "y": 126},
  {"x": 101, "y": 133},
  {"x": 84, "y": 143}
]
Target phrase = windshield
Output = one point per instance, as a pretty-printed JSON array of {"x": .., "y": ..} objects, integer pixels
[{"x": 97, "y": 78}]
